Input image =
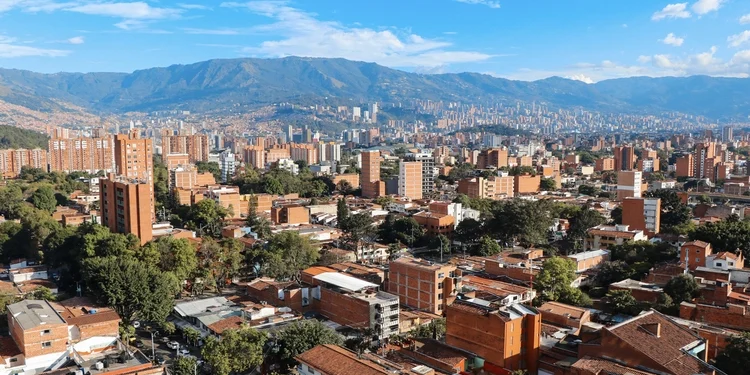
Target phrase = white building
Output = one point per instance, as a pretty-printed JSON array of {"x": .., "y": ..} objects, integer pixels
[
  {"x": 227, "y": 164},
  {"x": 288, "y": 165}
]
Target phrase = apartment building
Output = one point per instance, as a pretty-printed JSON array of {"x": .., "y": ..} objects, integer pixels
[
  {"x": 436, "y": 223},
  {"x": 196, "y": 146},
  {"x": 81, "y": 154},
  {"x": 495, "y": 188},
  {"x": 12, "y": 161},
  {"x": 630, "y": 184},
  {"x": 372, "y": 187},
  {"x": 187, "y": 177},
  {"x": 624, "y": 158},
  {"x": 604, "y": 236},
  {"x": 428, "y": 170},
  {"x": 494, "y": 157},
  {"x": 423, "y": 285},
  {"x": 685, "y": 166},
  {"x": 133, "y": 156},
  {"x": 65, "y": 337},
  {"x": 410, "y": 179},
  {"x": 642, "y": 214},
  {"x": 352, "y": 302},
  {"x": 505, "y": 336},
  {"x": 290, "y": 214},
  {"x": 526, "y": 184},
  {"x": 255, "y": 156},
  {"x": 127, "y": 206},
  {"x": 604, "y": 164},
  {"x": 175, "y": 160}
]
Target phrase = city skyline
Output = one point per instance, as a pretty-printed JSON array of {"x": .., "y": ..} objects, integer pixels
[{"x": 590, "y": 41}]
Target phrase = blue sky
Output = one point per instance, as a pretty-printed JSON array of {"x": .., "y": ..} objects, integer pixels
[{"x": 589, "y": 40}]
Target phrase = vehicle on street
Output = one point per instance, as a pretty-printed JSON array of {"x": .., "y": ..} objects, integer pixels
[
  {"x": 174, "y": 345},
  {"x": 184, "y": 351}
]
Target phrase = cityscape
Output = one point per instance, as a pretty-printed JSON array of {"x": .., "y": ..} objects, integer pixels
[{"x": 337, "y": 198}]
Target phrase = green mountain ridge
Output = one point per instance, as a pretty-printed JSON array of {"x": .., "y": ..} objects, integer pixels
[{"x": 222, "y": 83}]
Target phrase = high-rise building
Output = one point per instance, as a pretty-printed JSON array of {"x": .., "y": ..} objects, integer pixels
[
  {"x": 332, "y": 152},
  {"x": 227, "y": 164},
  {"x": 624, "y": 158},
  {"x": 374, "y": 112},
  {"x": 505, "y": 336},
  {"x": 642, "y": 214},
  {"x": 255, "y": 156},
  {"x": 428, "y": 170},
  {"x": 195, "y": 145},
  {"x": 629, "y": 184},
  {"x": 12, "y": 161},
  {"x": 704, "y": 160},
  {"x": 127, "y": 206},
  {"x": 494, "y": 157},
  {"x": 306, "y": 152},
  {"x": 133, "y": 157},
  {"x": 727, "y": 133},
  {"x": 356, "y": 113},
  {"x": 372, "y": 186},
  {"x": 289, "y": 134},
  {"x": 410, "y": 179},
  {"x": 423, "y": 285},
  {"x": 604, "y": 164},
  {"x": 81, "y": 154},
  {"x": 684, "y": 166}
]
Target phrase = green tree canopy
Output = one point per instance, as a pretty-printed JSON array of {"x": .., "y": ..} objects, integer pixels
[
  {"x": 621, "y": 302},
  {"x": 184, "y": 365},
  {"x": 44, "y": 198},
  {"x": 520, "y": 221},
  {"x": 682, "y": 288},
  {"x": 288, "y": 254},
  {"x": 553, "y": 283},
  {"x": 725, "y": 235},
  {"x": 487, "y": 246},
  {"x": 302, "y": 336},
  {"x": 735, "y": 358},
  {"x": 238, "y": 351}
]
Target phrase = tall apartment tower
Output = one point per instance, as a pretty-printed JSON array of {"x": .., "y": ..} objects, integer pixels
[
  {"x": 227, "y": 164},
  {"x": 629, "y": 184},
  {"x": 428, "y": 171},
  {"x": 423, "y": 285},
  {"x": 410, "y": 179},
  {"x": 81, "y": 154},
  {"x": 624, "y": 158},
  {"x": 704, "y": 159},
  {"x": 642, "y": 214},
  {"x": 127, "y": 206},
  {"x": 133, "y": 156},
  {"x": 372, "y": 187},
  {"x": 727, "y": 133}
]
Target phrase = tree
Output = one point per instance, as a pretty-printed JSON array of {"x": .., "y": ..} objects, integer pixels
[
  {"x": 468, "y": 232},
  {"x": 612, "y": 272},
  {"x": 725, "y": 235},
  {"x": 589, "y": 190},
  {"x": 302, "y": 336},
  {"x": 440, "y": 243},
  {"x": 682, "y": 288},
  {"x": 289, "y": 253},
  {"x": 735, "y": 358},
  {"x": 177, "y": 256},
  {"x": 520, "y": 221},
  {"x": 621, "y": 302},
  {"x": 11, "y": 199},
  {"x": 211, "y": 167},
  {"x": 206, "y": 217},
  {"x": 616, "y": 215},
  {"x": 184, "y": 365},
  {"x": 191, "y": 335},
  {"x": 547, "y": 184},
  {"x": 357, "y": 228},
  {"x": 222, "y": 261},
  {"x": 342, "y": 212},
  {"x": 133, "y": 289},
  {"x": 344, "y": 187},
  {"x": 488, "y": 247},
  {"x": 222, "y": 355},
  {"x": 435, "y": 329},
  {"x": 674, "y": 213},
  {"x": 42, "y": 293},
  {"x": 553, "y": 283},
  {"x": 43, "y": 198},
  {"x": 582, "y": 221}
]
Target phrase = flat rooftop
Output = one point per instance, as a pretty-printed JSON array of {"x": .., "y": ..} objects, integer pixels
[
  {"x": 31, "y": 314},
  {"x": 343, "y": 281}
]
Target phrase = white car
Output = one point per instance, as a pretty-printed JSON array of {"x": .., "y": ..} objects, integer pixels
[
  {"x": 173, "y": 345},
  {"x": 184, "y": 351}
]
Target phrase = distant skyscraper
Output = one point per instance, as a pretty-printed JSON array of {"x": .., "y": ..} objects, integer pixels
[
  {"x": 227, "y": 164},
  {"x": 727, "y": 134},
  {"x": 356, "y": 113},
  {"x": 290, "y": 134},
  {"x": 374, "y": 112}
]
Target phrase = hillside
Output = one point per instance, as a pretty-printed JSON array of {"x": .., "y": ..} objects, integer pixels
[
  {"x": 219, "y": 84},
  {"x": 13, "y": 137}
]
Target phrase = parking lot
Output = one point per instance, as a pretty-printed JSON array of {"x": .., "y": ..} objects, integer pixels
[{"x": 161, "y": 345}]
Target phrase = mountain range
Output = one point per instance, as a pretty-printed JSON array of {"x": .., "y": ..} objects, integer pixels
[{"x": 225, "y": 83}]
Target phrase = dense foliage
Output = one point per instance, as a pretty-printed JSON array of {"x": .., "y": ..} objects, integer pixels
[{"x": 14, "y": 137}]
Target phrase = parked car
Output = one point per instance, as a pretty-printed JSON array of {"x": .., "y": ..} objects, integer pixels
[
  {"x": 174, "y": 345},
  {"x": 184, "y": 351},
  {"x": 139, "y": 344}
]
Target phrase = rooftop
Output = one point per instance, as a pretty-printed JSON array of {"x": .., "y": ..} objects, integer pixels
[
  {"x": 335, "y": 360},
  {"x": 344, "y": 281},
  {"x": 197, "y": 307},
  {"x": 589, "y": 254},
  {"x": 558, "y": 308},
  {"x": 34, "y": 313}
]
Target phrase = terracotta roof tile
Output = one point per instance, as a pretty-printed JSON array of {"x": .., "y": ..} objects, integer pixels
[
  {"x": 232, "y": 322},
  {"x": 334, "y": 360}
]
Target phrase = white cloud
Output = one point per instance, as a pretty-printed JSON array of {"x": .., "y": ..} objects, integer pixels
[
  {"x": 302, "y": 34},
  {"x": 581, "y": 77},
  {"x": 745, "y": 19},
  {"x": 136, "y": 10},
  {"x": 706, "y": 6},
  {"x": 737, "y": 40},
  {"x": 644, "y": 59},
  {"x": 190, "y": 30},
  {"x": 489, "y": 3},
  {"x": 10, "y": 50},
  {"x": 76, "y": 40},
  {"x": 663, "y": 61},
  {"x": 678, "y": 10},
  {"x": 672, "y": 40},
  {"x": 193, "y": 6}
]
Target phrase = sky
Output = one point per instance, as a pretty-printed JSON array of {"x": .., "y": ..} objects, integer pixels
[{"x": 587, "y": 40}]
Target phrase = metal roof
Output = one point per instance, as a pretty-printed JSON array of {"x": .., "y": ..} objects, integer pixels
[
  {"x": 196, "y": 307},
  {"x": 34, "y": 313},
  {"x": 343, "y": 281}
]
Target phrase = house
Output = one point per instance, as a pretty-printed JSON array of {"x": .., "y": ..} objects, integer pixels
[
  {"x": 562, "y": 315},
  {"x": 604, "y": 236},
  {"x": 335, "y": 360}
]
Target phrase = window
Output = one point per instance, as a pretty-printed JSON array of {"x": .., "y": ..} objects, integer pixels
[
  {"x": 45, "y": 332},
  {"x": 47, "y": 344},
  {"x": 718, "y": 264},
  {"x": 13, "y": 360}
]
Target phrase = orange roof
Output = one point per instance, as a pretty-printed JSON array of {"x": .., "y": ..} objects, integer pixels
[
  {"x": 335, "y": 360},
  {"x": 558, "y": 308},
  {"x": 726, "y": 255},
  {"x": 697, "y": 243},
  {"x": 233, "y": 322},
  {"x": 317, "y": 270}
]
